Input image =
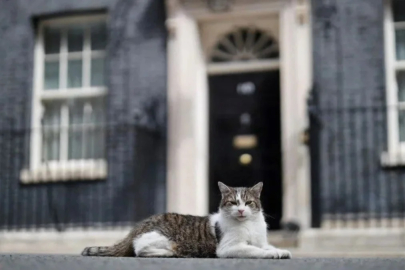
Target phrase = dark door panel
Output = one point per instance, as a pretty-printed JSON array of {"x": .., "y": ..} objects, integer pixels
[{"x": 247, "y": 104}]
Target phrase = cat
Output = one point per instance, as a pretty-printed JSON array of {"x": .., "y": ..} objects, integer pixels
[{"x": 238, "y": 230}]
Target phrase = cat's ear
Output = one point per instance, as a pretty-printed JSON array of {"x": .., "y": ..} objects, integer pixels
[
  {"x": 224, "y": 188},
  {"x": 257, "y": 189}
]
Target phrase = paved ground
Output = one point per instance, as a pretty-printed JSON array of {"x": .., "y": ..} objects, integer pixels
[{"x": 62, "y": 262}]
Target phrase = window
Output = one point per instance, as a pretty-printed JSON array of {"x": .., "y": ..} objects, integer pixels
[
  {"x": 67, "y": 138},
  {"x": 395, "y": 76}
]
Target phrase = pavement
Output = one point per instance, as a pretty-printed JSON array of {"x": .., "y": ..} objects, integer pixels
[{"x": 69, "y": 262}]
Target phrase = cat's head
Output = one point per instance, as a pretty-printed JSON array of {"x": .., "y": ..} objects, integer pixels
[{"x": 240, "y": 203}]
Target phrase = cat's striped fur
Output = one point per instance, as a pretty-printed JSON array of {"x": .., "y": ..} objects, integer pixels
[{"x": 191, "y": 236}]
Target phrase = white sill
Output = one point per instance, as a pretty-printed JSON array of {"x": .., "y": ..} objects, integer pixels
[
  {"x": 393, "y": 159},
  {"x": 73, "y": 170}
]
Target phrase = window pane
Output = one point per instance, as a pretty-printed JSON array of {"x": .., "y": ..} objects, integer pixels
[
  {"x": 98, "y": 115},
  {"x": 51, "y": 131},
  {"x": 401, "y": 85},
  {"x": 400, "y": 43},
  {"x": 51, "y": 114},
  {"x": 52, "y": 38},
  {"x": 86, "y": 135},
  {"x": 75, "y": 130},
  {"x": 75, "y": 39},
  {"x": 74, "y": 73},
  {"x": 97, "y": 72},
  {"x": 98, "y": 36},
  {"x": 401, "y": 127},
  {"x": 399, "y": 10},
  {"x": 75, "y": 112},
  {"x": 96, "y": 144},
  {"x": 51, "y": 75}
]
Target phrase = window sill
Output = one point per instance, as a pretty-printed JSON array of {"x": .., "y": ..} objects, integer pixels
[
  {"x": 393, "y": 159},
  {"x": 77, "y": 170}
]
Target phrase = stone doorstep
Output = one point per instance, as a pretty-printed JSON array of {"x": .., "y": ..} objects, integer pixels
[
  {"x": 283, "y": 239},
  {"x": 299, "y": 253},
  {"x": 353, "y": 241},
  {"x": 299, "y": 244}
]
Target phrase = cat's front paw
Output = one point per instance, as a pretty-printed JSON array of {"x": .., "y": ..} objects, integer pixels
[
  {"x": 277, "y": 254},
  {"x": 271, "y": 254},
  {"x": 284, "y": 254}
]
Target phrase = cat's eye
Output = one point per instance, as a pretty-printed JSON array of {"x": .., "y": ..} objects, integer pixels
[
  {"x": 231, "y": 203},
  {"x": 249, "y": 202}
]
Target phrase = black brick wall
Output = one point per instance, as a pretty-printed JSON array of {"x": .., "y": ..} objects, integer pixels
[
  {"x": 136, "y": 78},
  {"x": 349, "y": 79}
]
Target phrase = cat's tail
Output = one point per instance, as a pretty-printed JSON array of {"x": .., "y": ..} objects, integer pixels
[
  {"x": 121, "y": 249},
  {"x": 96, "y": 251}
]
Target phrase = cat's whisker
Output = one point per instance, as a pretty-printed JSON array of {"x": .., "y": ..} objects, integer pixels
[{"x": 267, "y": 215}]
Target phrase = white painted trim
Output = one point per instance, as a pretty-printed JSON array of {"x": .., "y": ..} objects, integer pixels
[
  {"x": 204, "y": 15},
  {"x": 77, "y": 55},
  {"x": 74, "y": 93},
  {"x": 390, "y": 78},
  {"x": 74, "y": 20},
  {"x": 72, "y": 170},
  {"x": 36, "y": 142},
  {"x": 396, "y": 149},
  {"x": 400, "y": 65},
  {"x": 239, "y": 67},
  {"x": 393, "y": 158}
]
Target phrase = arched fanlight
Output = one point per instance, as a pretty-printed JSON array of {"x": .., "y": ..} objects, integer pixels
[{"x": 245, "y": 44}]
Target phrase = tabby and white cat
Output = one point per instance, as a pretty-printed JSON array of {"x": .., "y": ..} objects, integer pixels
[{"x": 238, "y": 230}]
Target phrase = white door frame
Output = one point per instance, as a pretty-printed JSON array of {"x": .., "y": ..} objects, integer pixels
[{"x": 187, "y": 184}]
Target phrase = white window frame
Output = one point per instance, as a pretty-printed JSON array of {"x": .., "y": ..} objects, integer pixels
[
  {"x": 62, "y": 169},
  {"x": 396, "y": 150}
]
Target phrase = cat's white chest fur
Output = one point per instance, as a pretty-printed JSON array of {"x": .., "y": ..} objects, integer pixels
[
  {"x": 244, "y": 239},
  {"x": 253, "y": 232}
]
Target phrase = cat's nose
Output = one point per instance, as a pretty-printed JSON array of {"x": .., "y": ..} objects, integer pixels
[{"x": 241, "y": 211}]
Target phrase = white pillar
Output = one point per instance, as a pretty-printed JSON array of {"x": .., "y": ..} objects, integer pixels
[
  {"x": 296, "y": 70},
  {"x": 187, "y": 186}
]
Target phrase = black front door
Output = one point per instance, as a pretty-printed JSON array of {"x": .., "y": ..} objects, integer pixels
[{"x": 245, "y": 137}]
